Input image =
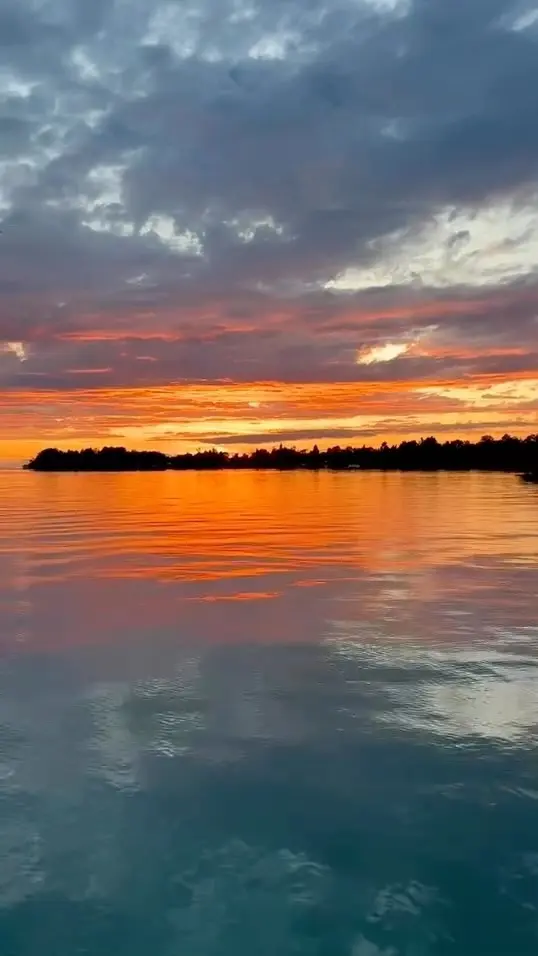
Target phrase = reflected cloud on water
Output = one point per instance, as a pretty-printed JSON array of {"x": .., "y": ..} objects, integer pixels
[{"x": 346, "y": 795}]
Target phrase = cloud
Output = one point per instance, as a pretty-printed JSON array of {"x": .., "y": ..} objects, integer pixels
[
  {"x": 267, "y": 191},
  {"x": 508, "y": 393},
  {"x": 382, "y": 353},
  {"x": 14, "y": 348}
]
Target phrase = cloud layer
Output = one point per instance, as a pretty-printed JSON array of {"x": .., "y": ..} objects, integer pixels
[{"x": 270, "y": 191}]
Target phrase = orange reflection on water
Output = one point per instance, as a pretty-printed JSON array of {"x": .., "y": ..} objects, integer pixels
[
  {"x": 262, "y": 556},
  {"x": 241, "y": 596}
]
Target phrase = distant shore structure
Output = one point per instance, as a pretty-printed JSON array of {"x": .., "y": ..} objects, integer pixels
[{"x": 506, "y": 454}]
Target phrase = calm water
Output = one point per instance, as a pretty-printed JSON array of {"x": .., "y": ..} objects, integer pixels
[{"x": 261, "y": 715}]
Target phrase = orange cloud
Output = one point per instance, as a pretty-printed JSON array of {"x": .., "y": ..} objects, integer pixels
[{"x": 188, "y": 415}]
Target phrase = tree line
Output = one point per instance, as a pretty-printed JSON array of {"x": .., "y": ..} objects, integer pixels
[{"x": 509, "y": 453}]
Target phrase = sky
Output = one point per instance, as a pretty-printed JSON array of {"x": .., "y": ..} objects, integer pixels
[{"x": 238, "y": 222}]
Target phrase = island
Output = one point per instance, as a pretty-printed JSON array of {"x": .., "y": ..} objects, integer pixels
[{"x": 506, "y": 454}]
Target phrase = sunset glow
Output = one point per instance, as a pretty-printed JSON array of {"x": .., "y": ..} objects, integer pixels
[{"x": 180, "y": 269}]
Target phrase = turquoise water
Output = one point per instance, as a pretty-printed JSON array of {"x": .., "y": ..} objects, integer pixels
[{"x": 268, "y": 715}]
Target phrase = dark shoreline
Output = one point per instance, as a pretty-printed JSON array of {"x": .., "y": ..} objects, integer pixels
[{"x": 507, "y": 454}]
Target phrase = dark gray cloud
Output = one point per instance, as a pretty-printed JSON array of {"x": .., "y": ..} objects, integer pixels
[
  {"x": 304, "y": 437},
  {"x": 198, "y": 171}
]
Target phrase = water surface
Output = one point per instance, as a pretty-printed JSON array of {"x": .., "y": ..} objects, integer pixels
[{"x": 268, "y": 714}]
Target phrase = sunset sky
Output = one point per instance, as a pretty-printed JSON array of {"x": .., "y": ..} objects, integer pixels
[{"x": 240, "y": 222}]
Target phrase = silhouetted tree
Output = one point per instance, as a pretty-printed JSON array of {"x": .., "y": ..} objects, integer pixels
[{"x": 505, "y": 454}]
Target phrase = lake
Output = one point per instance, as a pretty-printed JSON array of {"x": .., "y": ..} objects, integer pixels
[{"x": 255, "y": 714}]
